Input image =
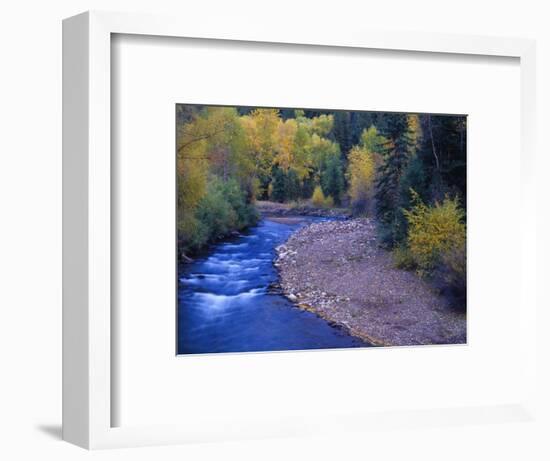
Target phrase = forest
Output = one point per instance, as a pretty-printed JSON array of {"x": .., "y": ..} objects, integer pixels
[{"x": 407, "y": 172}]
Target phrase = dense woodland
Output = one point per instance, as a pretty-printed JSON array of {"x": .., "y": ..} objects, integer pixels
[{"x": 407, "y": 171}]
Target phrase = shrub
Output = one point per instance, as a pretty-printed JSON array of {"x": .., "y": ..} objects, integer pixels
[
  {"x": 216, "y": 214},
  {"x": 450, "y": 273},
  {"x": 319, "y": 200},
  {"x": 434, "y": 231},
  {"x": 221, "y": 210},
  {"x": 403, "y": 258},
  {"x": 296, "y": 204},
  {"x": 384, "y": 234},
  {"x": 360, "y": 201},
  {"x": 245, "y": 214},
  {"x": 192, "y": 234}
]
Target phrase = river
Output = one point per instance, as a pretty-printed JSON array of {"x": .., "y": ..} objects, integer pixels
[{"x": 225, "y": 304}]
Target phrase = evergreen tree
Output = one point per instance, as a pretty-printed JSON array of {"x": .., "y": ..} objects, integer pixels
[
  {"x": 292, "y": 185},
  {"x": 401, "y": 142},
  {"x": 332, "y": 178},
  {"x": 445, "y": 147},
  {"x": 413, "y": 179},
  {"x": 342, "y": 131},
  {"x": 308, "y": 185},
  {"x": 361, "y": 122},
  {"x": 278, "y": 184}
]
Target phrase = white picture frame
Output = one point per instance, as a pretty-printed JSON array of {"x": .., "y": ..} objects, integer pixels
[{"x": 87, "y": 359}]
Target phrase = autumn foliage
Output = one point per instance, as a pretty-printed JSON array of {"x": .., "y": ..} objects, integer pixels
[
  {"x": 437, "y": 235},
  {"x": 258, "y": 154},
  {"x": 319, "y": 200},
  {"x": 362, "y": 168},
  {"x": 405, "y": 171}
]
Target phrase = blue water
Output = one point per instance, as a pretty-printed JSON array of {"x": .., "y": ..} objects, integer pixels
[{"x": 224, "y": 304}]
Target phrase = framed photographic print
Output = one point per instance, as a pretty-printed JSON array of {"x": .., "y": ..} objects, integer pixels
[
  {"x": 257, "y": 219},
  {"x": 317, "y": 229}
]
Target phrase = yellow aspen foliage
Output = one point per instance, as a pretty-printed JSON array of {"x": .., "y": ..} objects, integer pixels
[
  {"x": 363, "y": 161},
  {"x": 286, "y": 134},
  {"x": 261, "y": 136},
  {"x": 373, "y": 141},
  {"x": 302, "y": 151},
  {"x": 329, "y": 202},
  {"x": 322, "y": 125},
  {"x": 434, "y": 231},
  {"x": 361, "y": 170},
  {"x": 194, "y": 151},
  {"x": 319, "y": 200},
  {"x": 322, "y": 149},
  {"x": 193, "y": 174}
]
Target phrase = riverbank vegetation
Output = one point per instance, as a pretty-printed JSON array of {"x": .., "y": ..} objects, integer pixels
[{"x": 406, "y": 171}]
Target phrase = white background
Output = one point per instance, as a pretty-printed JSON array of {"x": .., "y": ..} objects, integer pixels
[
  {"x": 149, "y": 77},
  {"x": 30, "y": 145}
]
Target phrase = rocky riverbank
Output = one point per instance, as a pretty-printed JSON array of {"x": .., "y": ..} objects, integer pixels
[{"x": 337, "y": 270}]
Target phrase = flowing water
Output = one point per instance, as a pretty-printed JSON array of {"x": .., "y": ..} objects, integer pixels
[{"x": 225, "y": 305}]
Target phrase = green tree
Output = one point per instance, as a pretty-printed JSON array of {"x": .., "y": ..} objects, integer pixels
[
  {"x": 278, "y": 185},
  {"x": 443, "y": 151},
  {"x": 332, "y": 178},
  {"x": 342, "y": 131},
  {"x": 399, "y": 130}
]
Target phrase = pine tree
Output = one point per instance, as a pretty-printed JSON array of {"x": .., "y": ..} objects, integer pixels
[
  {"x": 342, "y": 131},
  {"x": 292, "y": 185},
  {"x": 445, "y": 147},
  {"x": 278, "y": 183},
  {"x": 332, "y": 178},
  {"x": 401, "y": 143}
]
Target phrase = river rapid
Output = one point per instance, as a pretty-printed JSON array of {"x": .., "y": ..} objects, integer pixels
[{"x": 225, "y": 303}]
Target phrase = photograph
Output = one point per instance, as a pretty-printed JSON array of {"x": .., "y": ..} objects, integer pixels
[
  {"x": 301, "y": 229},
  {"x": 259, "y": 231}
]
